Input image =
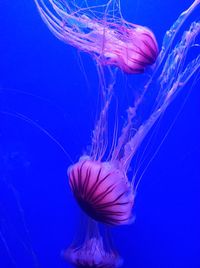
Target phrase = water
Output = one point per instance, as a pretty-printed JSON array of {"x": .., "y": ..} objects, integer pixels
[{"x": 55, "y": 87}]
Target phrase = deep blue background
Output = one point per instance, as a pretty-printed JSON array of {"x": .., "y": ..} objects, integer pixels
[{"x": 43, "y": 79}]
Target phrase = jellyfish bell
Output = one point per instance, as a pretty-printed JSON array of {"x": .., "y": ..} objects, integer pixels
[
  {"x": 133, "y": 48},
  {"x": 102, "y": 190}
]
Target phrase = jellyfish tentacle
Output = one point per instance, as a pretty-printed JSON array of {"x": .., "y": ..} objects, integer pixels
[
  {"x": 42, "y": 129},
  {"x": 100, "y": 132}
]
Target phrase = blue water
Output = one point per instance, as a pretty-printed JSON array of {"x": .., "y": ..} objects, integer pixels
[{"x": 56, "y": 88}]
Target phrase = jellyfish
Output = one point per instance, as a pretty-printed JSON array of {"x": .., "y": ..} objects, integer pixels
[
  {"x": 99, "y": 180},
  {"x": 109, "y": 40}
]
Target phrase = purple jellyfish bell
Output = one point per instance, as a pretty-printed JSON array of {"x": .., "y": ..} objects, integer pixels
[
  {"x": 136, "y": 48},
  {"x": 93, "y": 251},
  {"x": 102, "y": 191}
]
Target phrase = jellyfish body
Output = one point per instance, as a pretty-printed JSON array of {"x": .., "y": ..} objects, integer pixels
[
  {"x": 102, "y": 191},
  {"x": 132, "y": 49},
  {"x": 110, "y": 41}
]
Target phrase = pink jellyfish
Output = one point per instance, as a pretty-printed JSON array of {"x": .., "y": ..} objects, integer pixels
[
  {"x": 99, "y": 180},
  {"x": 110, "y": 40}
]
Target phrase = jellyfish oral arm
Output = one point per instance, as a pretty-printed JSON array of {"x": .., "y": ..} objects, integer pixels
[
  {"x": 171, "y": 33},
  {"x": 95, "y": 251},
  {"x": 172, "y": 79},
  {"x": 168, "y": 91}
]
